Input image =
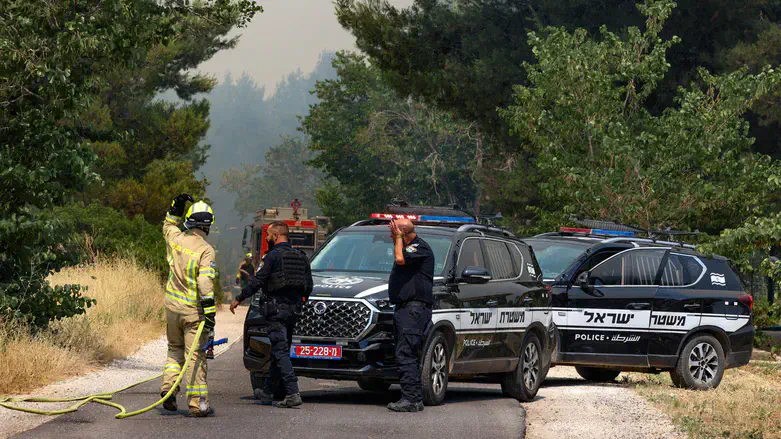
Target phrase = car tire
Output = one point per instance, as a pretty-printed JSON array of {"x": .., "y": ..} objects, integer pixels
[
  {"x": 435, "y": 373},
  {"x": 701, "y": 364},
  {"x": 524, "y": 382},
  {"x": 596, "y": 374},
  {"x": 373, "y": 385}
]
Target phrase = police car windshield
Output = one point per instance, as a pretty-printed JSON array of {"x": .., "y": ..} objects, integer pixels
[
  {"x": 555, "y": 256},
  {"x": 371, "y": 251}
]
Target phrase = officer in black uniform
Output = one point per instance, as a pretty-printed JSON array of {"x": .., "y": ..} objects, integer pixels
[
  {"x": 409, "y": 287},
  {"x": 286, "y": 280}
]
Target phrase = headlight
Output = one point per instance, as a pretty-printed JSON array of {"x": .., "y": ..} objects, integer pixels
[{"x": 383, "y": 305}]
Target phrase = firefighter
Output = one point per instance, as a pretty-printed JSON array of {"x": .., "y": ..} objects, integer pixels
[
  {"x": 246, "y": 271},
  {"x": 285, "y": 278},
  {"x": 190, "y": 287}
]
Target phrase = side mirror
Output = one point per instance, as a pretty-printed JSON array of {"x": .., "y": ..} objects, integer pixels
[
  {"x": 582, "y": 281},
  {"x": 247, "y": 236},
  {"x": 475, "y": 275}
]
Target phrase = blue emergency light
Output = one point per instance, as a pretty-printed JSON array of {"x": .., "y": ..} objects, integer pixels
[
  {"x": 596, "y": 231},
  {"x": 447, "y": 219}
]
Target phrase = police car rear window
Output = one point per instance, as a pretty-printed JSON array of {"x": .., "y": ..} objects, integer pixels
[{"x": 555, "y": 256}]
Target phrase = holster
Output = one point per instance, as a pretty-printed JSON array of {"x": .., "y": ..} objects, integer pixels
[{"x": 269, "y": 307}]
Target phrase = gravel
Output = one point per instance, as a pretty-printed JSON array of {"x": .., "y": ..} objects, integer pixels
[
  {"x": 567, "y": 407},
  {"x": 145, "y": 363}
]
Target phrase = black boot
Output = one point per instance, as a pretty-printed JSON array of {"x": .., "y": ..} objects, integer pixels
[
  {"x": 290, "y": 401},
  {"x": 264, "y": 397},
  {"x": 170, "y": 402},
  {"x": 404, "y": 405}
]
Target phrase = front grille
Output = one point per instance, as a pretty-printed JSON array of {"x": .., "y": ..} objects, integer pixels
[{"x": 337, "y": 319}]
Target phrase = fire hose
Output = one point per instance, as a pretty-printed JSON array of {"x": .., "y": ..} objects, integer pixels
[{"x": 105, "y": 397}]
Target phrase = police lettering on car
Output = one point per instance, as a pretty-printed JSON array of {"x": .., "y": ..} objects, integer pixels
[
  {"x": 285, "y": 278},
  {"x": 409, "y": 286}
]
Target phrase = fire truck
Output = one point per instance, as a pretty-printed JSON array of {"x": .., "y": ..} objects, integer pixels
[{"x": 306, "y": 234}]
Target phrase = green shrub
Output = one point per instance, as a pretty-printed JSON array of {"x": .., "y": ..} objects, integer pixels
[{"x": 98, "y": 230}]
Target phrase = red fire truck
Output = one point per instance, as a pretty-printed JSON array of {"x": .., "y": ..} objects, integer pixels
[{"x": 306, "y": 234}]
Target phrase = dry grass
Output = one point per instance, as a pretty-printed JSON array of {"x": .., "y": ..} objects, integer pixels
[
  {"x": 129, "y": 312},
  {"x": 747, "y": 404}
]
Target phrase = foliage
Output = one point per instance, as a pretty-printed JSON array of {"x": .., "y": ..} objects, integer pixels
[
  {"x": 607, "y": 157},
  {"x": 285, "y": 176},
  {"x": 376, "y": 145},
  {"x": 54, "y": 58},
  {"x": 97, "y": 231},
  {"x": 465, "y": 56}
]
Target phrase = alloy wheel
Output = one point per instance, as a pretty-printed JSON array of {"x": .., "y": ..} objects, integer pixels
[
  {"x": 438, "y": 368},
  {"x": 703, "y": 363},
  {"x": 531, "y": 365}
]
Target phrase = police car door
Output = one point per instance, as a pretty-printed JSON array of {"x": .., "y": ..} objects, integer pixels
[
  {"x": 478, "y": 307},
  {"x": 609, "y": 318}
]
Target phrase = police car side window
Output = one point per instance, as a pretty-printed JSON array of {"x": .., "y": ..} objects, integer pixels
[
  {"x": 518, "y": 259},
  {"x": 673, "y": 274},
  {"x": 499, "y": 259},
  {"x": 632, "y": 267},
  {"x": 471, "y": 255}
]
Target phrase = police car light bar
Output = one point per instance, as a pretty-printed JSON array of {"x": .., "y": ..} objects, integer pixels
[
  {"x": 596, "y": 231},
  {"x": 390, "y": 216},
  {"x": 424, "y": 218}
]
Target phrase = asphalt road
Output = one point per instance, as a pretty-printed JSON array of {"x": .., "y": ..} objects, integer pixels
[{"x": 332, "y": 409}]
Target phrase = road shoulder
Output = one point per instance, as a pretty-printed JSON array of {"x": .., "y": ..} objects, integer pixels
[
  {"x": 146, "y": 362},
  {"x": 568, "y": 407}
]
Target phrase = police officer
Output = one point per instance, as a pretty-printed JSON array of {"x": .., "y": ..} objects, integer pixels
[
  {"x": 190, "y": 287},
  {"x": 409, "y": 287},
  {"x": 246, "y": 271},
  {"x": 286, "y": 280}
]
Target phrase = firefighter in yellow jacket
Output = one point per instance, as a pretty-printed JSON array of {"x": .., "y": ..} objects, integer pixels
[{"x": 189, "y": 298}]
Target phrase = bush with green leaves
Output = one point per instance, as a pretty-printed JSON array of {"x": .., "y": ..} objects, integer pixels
[{"x": 54, "y": 54}]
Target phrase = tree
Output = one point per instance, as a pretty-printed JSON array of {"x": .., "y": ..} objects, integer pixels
[
  {"x": 54, "y": 56},
  {"x": 376, "y": 145},
  {"x": 606, "y": 156},
  {"x": 464, "y": 56},
  {"x": 285, "y": 177}
]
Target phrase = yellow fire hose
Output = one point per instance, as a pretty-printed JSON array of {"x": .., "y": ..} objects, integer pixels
[{"x": 103, "y": 398}]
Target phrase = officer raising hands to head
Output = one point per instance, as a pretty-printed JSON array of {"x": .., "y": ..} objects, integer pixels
[
  {"x": 286, "y": 280},
  {"x": 410, "y": 289}
]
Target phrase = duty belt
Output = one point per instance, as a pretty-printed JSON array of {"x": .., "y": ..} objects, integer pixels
[{"x": 413, "y": 303}]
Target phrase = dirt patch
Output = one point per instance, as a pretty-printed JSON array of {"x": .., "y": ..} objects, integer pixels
[{"x": 568, "y": 407}]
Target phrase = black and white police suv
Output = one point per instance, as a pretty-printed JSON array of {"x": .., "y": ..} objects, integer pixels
[
  {"x": 491, "y": 320},
  {"x": 623, "y": 303}
]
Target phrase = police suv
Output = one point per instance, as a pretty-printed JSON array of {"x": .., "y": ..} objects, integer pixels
[
  {"x": 491, "y": 318},
  {"x": 623, "y": 303}
]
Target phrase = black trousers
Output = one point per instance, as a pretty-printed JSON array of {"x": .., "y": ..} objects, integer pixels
[
  {"x": 409, "y": 325},
  {"x": 280, "y": 333}
]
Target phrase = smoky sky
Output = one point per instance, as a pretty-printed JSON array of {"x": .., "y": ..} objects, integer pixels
[{"x": 288, "y": 35}]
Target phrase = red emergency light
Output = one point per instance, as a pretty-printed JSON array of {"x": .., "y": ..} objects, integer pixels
[{"x": 390, "y": 216}]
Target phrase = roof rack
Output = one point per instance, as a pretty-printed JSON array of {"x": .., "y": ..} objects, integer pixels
[
  {"x": 481, "y": 228},
  {"x": 651, "y": 241}
]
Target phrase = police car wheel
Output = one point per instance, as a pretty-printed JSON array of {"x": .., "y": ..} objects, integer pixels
[
  {"x": 701, "y": 364},
  {"x": 596, "y": 374},
  {"x": 373, "y": 385},
  {"x": 524, "y": 382},
  {"x": 435, "y": 371}
]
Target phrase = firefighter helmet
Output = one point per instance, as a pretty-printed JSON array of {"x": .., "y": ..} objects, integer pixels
[{"x": 200, "y": 215}]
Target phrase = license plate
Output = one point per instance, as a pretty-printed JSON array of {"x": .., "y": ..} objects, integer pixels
[{"x": 316, "y": 352}]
